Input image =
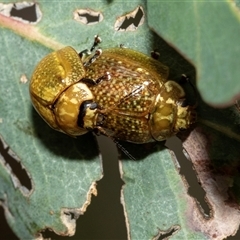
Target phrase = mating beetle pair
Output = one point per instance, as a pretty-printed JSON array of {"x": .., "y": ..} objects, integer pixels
[{"x": 116, "y": 92}]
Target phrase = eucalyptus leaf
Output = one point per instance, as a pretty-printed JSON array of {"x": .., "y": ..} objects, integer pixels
[
  {"x": 63, "y": 171},
  {"x": 206, "y": 33}
]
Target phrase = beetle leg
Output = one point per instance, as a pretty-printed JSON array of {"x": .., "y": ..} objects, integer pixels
[
  {"x": 97, "y": 40},
  {"x": 155, "y": 54},
  {"x": 122, "y": 45},
  {"x": 106, "y": 76},
  {"x": 85, "y": 53},
  {"x": 88, "y": 81},
  {"x": 100, "y": 119},
  {"x": 185, "y": 79},
  {"x": 92, "y": 59}
]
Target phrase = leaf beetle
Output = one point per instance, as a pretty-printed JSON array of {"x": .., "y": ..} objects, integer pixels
[{"x": 117, "y": 92}]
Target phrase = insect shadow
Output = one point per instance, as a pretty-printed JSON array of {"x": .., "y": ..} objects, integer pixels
[{"x": 81, "y": 148}]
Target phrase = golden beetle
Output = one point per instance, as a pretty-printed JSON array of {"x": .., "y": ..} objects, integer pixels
[{"x": 118, "y": 92}]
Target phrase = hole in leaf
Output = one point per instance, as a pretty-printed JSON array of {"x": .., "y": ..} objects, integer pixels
[
  {"x": 167, "y": 234},
  {"x": 88, "y": 16},
  {"x": 187, "y": 171},
  {"x": 27, "y": 12},
  {"x": 19, "y": 175},
  {"x": 6, "y": 231},
  {"x": 130, "y": 21}
]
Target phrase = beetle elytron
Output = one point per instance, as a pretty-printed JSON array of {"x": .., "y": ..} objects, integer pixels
[{"x": 117, "y": 92}]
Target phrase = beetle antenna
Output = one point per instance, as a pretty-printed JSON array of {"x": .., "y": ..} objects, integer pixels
[
  {"x": 101, "y": 130},
  {"x": 123, "y": 149}
]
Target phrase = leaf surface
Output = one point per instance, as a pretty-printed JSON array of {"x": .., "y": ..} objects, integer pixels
[
  {"x": 63, "y": 170},
  {"x": 207, "y": 33}
]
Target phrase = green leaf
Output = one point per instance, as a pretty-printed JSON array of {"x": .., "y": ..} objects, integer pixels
[
  {"x": 63, "y": 170},
  {"x": 206, "y": 32},
  {"x": 154, "y": 196}
]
